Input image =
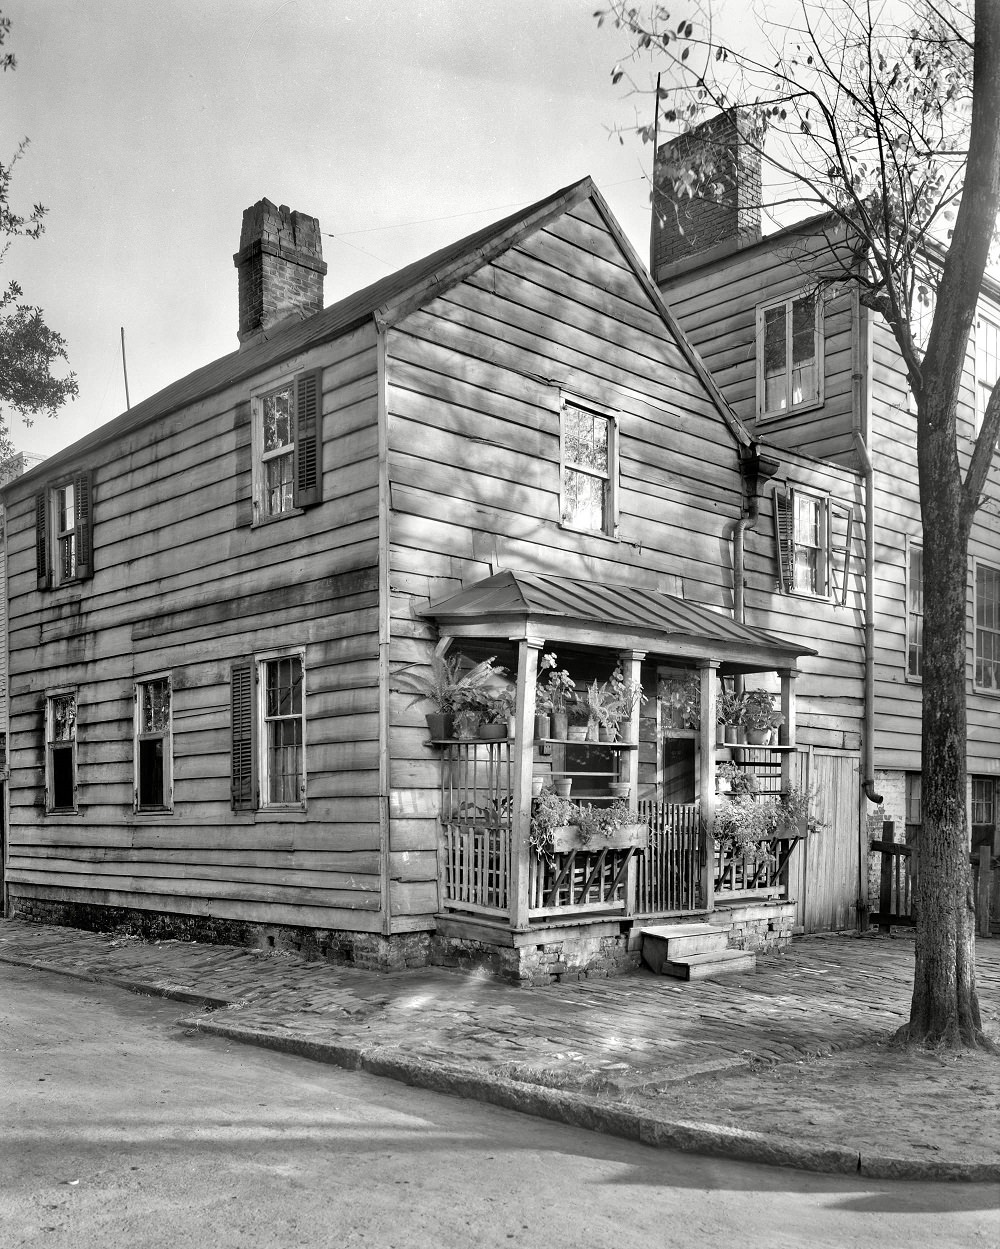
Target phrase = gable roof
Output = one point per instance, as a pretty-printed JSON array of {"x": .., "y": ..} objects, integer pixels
[
  {"x": 514, "y": 604},
  {"x": 387, "y": 301}
]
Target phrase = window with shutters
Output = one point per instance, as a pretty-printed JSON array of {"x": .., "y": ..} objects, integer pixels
[
  {"x": 589, "y": 454},
  {"x": 789, "y": 355},
  {"x": 803, "y": 539},
  {"x": 987, "y": 344},
  {"x": 153, "y": 745},
  {"x": 914, "y": 611},
  {"x": 60, "y": 751},
  {"x": 987, "y": 665},
  {"x": 287, "y": 428},
  {"x": 268, "y": 732},
  {"x": 63, "y": 532}
]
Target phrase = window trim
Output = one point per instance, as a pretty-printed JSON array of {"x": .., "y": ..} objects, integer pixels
[
  {"x": 785, "y": 542},
  {"x": 912, "y": 544},
  {"x": 815, "y": 400},
  {"x": 248, "y": 759},
  {"x": 993, "y": 690},
  {"x": 569, "y": 401},
  {"x": 49, "y": 780},
  {"x": 306, "y": 417},
  {"x": 979, "y": 405},
  {"x": 46, "y": 533},
  {"x": 168, "y": 745}
]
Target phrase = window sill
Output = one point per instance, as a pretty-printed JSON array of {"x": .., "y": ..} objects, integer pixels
[
  {"x": 590, "y": 533},
  {"x": 811, "y": 406},
  {"x": 274, "y": 520}
]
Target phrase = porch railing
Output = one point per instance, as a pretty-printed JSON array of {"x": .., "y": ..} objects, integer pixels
[
  {"x": 742, "y": 876},
  {"x": 668, "y": 870}
]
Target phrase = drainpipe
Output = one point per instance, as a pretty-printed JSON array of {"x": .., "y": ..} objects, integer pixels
[
  {"x": 861, "y": 378},
  {"x": 755, "y": 468}
]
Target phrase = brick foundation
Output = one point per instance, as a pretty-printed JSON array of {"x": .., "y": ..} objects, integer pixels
[
  {"x": 758, "y": 926},
  {"x": 573, "y": 954},
  {"x": 366, "y": 950}
]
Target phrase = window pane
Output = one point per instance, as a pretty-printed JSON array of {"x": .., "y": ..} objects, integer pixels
[
  {"x": 67, "y": 510},
  {"x": 284, "y": 687},
  {"x": 585, "y": 499},
  {"x": 775, "y": 395},
  {"x": 278, "y": 484},
  {"x": 987, "y": 628},
  {"x": 62, "y": 776},
  {"x": 278, "y": 420},
  {"x": 151, "y": 775},
  {"x": 915, "y": 612},
  {"x": 809, "y": 543},
  {"x": 284, "y": 763},
  {"x": 67, "y": 557},
  {"x": 155, "y": 707},
  {"x": 64, "y": 718},
  {"x": 586, "y": 439}
]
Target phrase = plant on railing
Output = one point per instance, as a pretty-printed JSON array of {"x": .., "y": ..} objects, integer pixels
[
  {"x": 729, "y": 707},
  {"x": 498, "y": 705},
  {"x": 742, "y": 826},
  {"x": 548, "y": 812},
  {"x": 603, "y": 707},
  {"x": 758, "y": 715},
  {"x": 794, "y": 817},
  {"x": 449, "y": 683},
  {"x": 735, "y": 780},
  {"x": 555, "y": 690},
  {"x": 682, "y": 694}
]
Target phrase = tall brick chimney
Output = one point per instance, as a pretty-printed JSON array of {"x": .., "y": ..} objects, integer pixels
[
  {"x": 281, "y": 267},
  {"x": 724, "y": 212}
]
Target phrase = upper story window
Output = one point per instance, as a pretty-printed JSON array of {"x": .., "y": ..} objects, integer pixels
[
  {"x": 802, "y": 534},
  {"x": 987, "y": 364},
  {"x": 789, "y": 355},
  {"x": 589, "y": 453},
  {"x": 268, "y": 732},
  {"x": 914, "y": 610},
  {"x": 153, "y": 745},
  {"x": 60, "y": 751},
  {"x": 987, "y": 658},
  {"x": 287, "y": 429},
  {"x": 63, "y": 532}
]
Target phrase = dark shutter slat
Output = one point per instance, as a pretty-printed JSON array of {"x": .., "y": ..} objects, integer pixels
[
  {"x": 307, "y": 474},
  {"x": 42, "y": 541},
  {"x": 784, "y": 538},
  {"x": 84, "y": 530},
  {"x": 241, "y": 687}
]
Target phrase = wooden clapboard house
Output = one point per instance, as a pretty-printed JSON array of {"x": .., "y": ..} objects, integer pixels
[
  {"x": 214, "y": 598},
  {"x": 820, "y": 384}
]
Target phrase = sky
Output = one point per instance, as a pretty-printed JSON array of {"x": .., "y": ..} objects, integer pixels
[{"x": 401, "y": 124}]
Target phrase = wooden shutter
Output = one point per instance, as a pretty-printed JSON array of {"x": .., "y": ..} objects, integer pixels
[
  {"x": 307, "y": 468},
  {"x": 784, "y": 538},
  {"x": 84, "y": 528},
  {"x": 243, "y": 786},
  {"x": 841, "y": 520},
  {"x": 42, "y": 569}
]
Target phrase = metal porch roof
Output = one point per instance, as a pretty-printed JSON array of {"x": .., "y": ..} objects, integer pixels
[{"x": 560, "y": 608}]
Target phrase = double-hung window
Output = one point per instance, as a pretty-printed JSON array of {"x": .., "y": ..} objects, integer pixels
[
  {"x": 987, "y": 659},
  {"x": 789, "y": 355},
  {"x": 268, "y": 732},
  {"x": 60, "y": 751},
  {"x": 914, "y": 610},
  {"x": 987, "y": 364},
  {"x": 63, "y": 535},
  {"x": 802, "y": 534},
  {"x": 287, "y": 428},
  {"x": 153, "y": 745},
  {"x": 589, "y": 457}
]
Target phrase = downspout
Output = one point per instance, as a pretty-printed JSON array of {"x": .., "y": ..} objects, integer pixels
[
  {"x": 755, "y": 468},
  {"x": 861, "y": 378}
]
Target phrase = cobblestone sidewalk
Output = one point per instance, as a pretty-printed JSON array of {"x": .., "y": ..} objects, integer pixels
[{"x": 732, "y": 1065}]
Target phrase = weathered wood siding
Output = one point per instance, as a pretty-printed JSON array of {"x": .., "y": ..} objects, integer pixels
[
  {"x": 716, "y": 305},
  {"x": 894, "y": 459},
  {"x": 473, "y": 427},
  {"x": 183, "y": 584}
]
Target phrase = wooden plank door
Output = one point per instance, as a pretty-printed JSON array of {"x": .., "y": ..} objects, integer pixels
[{"x": 828, "y": 860}]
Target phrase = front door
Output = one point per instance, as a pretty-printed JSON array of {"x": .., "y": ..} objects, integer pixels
[{"x": 827, "y": 881}]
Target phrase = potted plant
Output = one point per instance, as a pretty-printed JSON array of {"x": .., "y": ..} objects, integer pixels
[
  {"x": 616, "y": 827},
  {"x": 729, "y": 713},
  {"x": 742, "y": 827},
  {"x": 555, "y": 694},
  {"x": 497, "y": 710},
  {"x": 734, "y": 780},
  {"x": 626, "y": 696},
  {"x": 603, "y": 711},
  {"x": 448, "y": 682},
  {"x": 549, "y": 815},
  {"x": 681, "y": 693},
  {"x": 759, "y": 716}
]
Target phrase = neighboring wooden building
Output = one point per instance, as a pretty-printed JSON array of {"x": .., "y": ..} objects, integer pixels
[
  {"x": 510, "y": 443},
  {"x": 819, "y": 382}
]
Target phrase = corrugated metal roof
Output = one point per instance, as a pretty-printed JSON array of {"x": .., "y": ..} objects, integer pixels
[{"x": 523, "y": 595}]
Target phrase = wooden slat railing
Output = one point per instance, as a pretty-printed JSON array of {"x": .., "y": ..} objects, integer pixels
[
  {"x": 668, "y": 870},
  {"x": 477, "y": 868}
]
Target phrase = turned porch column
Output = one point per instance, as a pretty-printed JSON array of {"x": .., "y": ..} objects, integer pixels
[{"x": 523, "y": 759}]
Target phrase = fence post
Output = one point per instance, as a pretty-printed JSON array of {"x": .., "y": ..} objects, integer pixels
[
  {"x": 983, "y": 892},
  {"x": 885, "y": 880}
]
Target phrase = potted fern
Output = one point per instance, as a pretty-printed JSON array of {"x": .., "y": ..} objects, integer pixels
[{"x": 449, "y": 684}]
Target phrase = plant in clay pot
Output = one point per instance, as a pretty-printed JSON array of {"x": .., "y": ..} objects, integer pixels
[
  {"x": 603, "y": 709},
  {"x": 448, "y": 682},
  {"x": 729, "y": 712},
  {"x": 497, "y": 710},
  {"x": 555, "y": 693},
  {"x": 627, "y": 696},
  {"x": 759, "y": 716},
  {"x": 548, "y": 812}
]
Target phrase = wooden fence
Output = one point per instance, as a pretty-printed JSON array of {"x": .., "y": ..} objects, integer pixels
[{"x": 897, "y": 877}]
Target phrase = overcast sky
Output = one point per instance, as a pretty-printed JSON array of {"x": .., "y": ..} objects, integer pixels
[{"x": 400, "y": 124}]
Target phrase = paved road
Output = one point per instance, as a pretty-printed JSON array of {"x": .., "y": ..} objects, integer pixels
[{"x": 119, "y": 1130}]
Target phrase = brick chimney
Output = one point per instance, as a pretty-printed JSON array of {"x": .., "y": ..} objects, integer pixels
[
  {"x": 724, "y": 212},
  {"x": 281, "y": 268}
]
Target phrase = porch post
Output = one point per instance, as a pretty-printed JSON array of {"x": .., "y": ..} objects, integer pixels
[
  {"x": 631, "y": 666},
  {"x": 786, "y": 733},
  {"x": 523, "y": 752},
  {"x": 707, "y": 669}
]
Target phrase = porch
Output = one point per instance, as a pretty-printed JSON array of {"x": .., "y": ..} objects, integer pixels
[{"x": 495, "y": 885}]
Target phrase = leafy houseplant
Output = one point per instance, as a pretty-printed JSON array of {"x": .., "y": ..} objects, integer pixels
[
  {"x": 759, "y": 716},
  {"x": 627, "y": 696},
  {"x": 555, "y": 693},
  {"x": 497, "y": 710},
  {"x": 729, "y": 712},
  {"x": 558, "y": 825},
  {"x": 548, "y": 813},
  {"x": 603, "y": 709},
  {"x": 682, "y": 694},
  {"x": 449, "y": 684}
]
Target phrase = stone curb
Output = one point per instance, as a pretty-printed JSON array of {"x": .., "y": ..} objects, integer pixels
[{"x": 575, "y": 1109}]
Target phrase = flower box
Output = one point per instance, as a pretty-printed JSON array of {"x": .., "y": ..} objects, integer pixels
[{"x": 566, "y": 837}]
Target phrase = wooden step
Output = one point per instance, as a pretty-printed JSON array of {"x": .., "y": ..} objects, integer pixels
[
  {"x": 662, "y": 943},
  {"x": 716, "y": 963}
]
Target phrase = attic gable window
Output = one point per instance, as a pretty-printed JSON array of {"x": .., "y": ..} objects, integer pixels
[
  {"x": 63, "y": 532},
  {"x": 287, "y": 451},
  {"x": 789, "y": 355},
  {"x": 589, "y": 461}
]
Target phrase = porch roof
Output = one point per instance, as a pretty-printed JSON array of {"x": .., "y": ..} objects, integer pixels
[{"x": 560, "y": 609}]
